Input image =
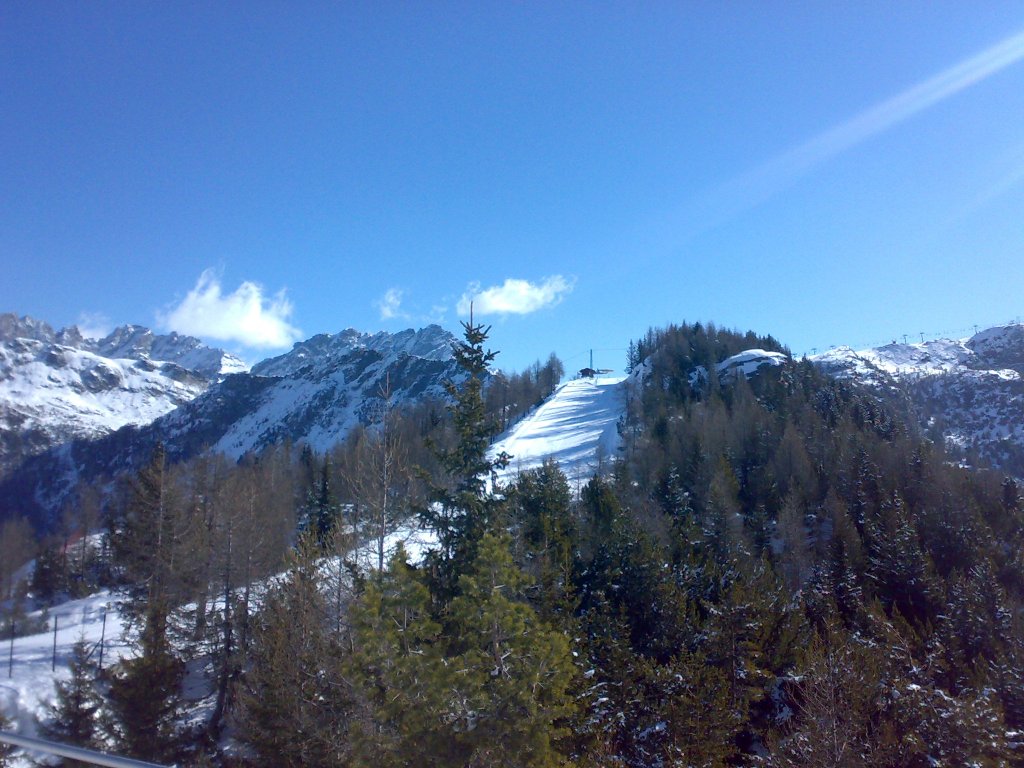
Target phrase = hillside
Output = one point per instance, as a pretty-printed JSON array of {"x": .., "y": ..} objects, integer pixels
[
  {"x": 313, "y": 394},
  {"x": 968, "y": 393}
]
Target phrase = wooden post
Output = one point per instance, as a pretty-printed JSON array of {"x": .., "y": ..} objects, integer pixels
[
  {"x": 103, "y": 636},
  {"x": 53, "y": 663}
]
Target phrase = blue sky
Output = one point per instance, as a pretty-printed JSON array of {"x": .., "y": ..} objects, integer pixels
[{"x": 255, "y": 173}]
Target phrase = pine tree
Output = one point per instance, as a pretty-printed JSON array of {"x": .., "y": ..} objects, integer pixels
[
  {"x": 145, "y": 541},
  {"x": 460, "y": 510},
  {"x": 513, "y": 700},
  {"x": 144, "y": 703},
  {"x": 398, "y": 672},
  {"x": 6, "y": 750},
  {"x": 689, "y": 721},
  {"x": 144, "y": 693},
  {"x": 73, "y": 717},
  {"x": 737, "y": 635},
  {"x": 601, "y": 507},
  {"x": 541, "y": 501},
  {"x": 898, "y": 567}
]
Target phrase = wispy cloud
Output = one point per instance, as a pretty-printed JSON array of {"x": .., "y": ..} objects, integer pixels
[
  {"x": 783, "y": 170},
  {"x": 94, "y": 325},
  {"x": 437, "y": 313},
  {"x": 245, "y": 316},
  {"x": 390, "y": 305},
  {"x": 515, "y": 297}
]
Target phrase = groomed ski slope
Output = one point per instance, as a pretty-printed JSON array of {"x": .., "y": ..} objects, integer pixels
[{"x": 576, "y": 426}]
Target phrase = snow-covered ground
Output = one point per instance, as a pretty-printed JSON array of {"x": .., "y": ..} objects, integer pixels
[
  {"x": 576, "y": 426},
  {"x": 36, "y": 664},
  {"x": 28, "y": 675}
]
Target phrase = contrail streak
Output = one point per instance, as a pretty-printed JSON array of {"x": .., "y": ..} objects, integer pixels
[{"x": 755, "y": 186}]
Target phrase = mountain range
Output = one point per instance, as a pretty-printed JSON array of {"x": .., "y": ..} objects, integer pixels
[{"x": 74, "y": 408}]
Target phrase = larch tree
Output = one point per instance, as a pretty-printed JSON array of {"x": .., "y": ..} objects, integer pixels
[{"x": 293, "y": 708}]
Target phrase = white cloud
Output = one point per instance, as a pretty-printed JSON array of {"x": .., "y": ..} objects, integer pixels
[
  {"x": 245, "y": 316},
  {"x": 515, "y": 297},
  {"x": 94, "y": 325},
  {"x": 390, "y": 305}
]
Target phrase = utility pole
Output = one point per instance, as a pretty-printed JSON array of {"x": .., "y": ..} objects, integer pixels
[
  {"x": 904, "y": 338},
  {"x": 922, "y": 336}
]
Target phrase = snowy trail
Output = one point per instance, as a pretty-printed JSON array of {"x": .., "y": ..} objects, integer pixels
[{"x": 576, "y": 426}]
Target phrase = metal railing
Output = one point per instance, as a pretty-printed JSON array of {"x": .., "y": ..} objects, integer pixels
[{"x": 75, "y": 753}]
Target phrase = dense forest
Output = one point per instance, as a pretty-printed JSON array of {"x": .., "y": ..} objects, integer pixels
[{"x": 778, "y": 570}]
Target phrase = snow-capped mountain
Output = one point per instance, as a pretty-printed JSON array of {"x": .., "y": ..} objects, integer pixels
[
  {"x": 314, "y": 393},
  {"x": 969, "y": 392},
  {"x": 56, "y": 386}
]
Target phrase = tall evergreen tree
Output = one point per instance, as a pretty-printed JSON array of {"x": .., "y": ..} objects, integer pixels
[
  {"x": 74, "y": 714},
  {"x": 543, "y": 516},
  {"x": 513, "y": 699},
  {"x": 399, "y": 673},
  {"x": 145, "y": 703},
  {"x": 145, "y": 690},
  {"x": 460, "y": 508},
  {"x": 6, "y": 750}
]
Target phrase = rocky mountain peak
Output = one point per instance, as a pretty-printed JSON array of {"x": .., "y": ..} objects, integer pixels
[
  {"x": 13, "y": 327},
  {"x": 1001, "y": 347},
  {"x": 325, "y": 350}
]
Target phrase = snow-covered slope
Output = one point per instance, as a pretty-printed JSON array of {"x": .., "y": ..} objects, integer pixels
[
  {"x": 39, "y": 660},
  {"x": 316, "y": 392},
  {"x": 968, "y": 391},
  {"x": 56, "y": 386},
  {"x": 577, "y": 426}
]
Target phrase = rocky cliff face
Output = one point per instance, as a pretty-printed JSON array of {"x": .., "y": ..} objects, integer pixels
[{"x": 318, "y": 391}]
